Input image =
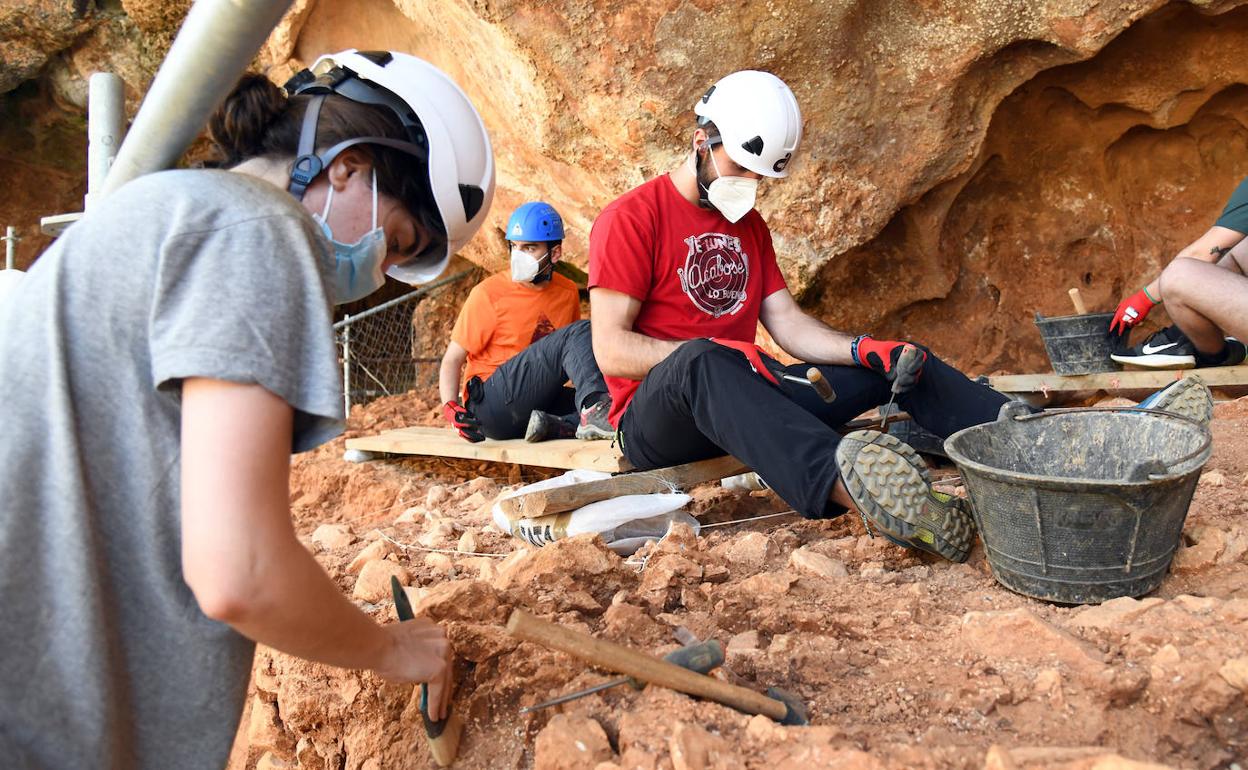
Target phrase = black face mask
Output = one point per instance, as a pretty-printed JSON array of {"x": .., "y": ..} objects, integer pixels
[{"x": 548, "y": 272}]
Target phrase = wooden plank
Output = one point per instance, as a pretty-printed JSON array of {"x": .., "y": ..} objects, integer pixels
[
  {"x": 1215, "y": 376},
  {"x": 445, "y": 442},
  {"x": 559, "y": 499}
]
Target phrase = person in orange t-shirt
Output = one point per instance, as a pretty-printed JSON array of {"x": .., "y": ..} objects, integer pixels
[{"x": 518, "y": 339}]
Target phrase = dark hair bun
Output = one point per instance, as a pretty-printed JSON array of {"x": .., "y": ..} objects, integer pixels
[{"x": 240, "y": 126}]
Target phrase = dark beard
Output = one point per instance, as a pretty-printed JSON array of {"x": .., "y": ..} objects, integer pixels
[
  {"x": 547, "y": 272},
  {"x": 702, "y": 173}
]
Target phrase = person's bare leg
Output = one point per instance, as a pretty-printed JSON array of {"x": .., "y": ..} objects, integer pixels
[
  {"x": 1208, "y": 302},
  {"x": 840, "y": 495},
  {"x": 1236, "y": 260}
]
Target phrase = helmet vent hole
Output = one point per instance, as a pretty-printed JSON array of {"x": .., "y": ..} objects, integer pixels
[{"x": 753, "y": 146}]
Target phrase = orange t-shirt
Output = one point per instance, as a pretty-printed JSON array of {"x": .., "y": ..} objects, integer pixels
[{"x": 502, "y": 317}]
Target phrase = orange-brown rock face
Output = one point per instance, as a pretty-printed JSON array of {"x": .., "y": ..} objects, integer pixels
[
  {"x": 964, "y": 163},
  {"x": 1091, "y": 175}
]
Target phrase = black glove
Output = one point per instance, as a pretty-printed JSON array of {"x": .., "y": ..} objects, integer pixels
[{"x": 463, "y": 421}]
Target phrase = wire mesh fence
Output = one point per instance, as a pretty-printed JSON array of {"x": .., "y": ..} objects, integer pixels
[{"x": 377, "y": 347}]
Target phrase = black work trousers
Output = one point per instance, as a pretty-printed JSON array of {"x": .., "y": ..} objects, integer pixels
[
  {"x": 704, "y": 400},
  {"x": 534, "y": 379}
]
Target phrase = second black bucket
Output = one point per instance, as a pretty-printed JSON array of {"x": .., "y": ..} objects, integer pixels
[{"x": 1078, "y": 344}]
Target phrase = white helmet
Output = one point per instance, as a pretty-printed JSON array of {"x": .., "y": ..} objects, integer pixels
[
  {"x": 758, "y": 120},
  {"x": 443, "y": 127}
]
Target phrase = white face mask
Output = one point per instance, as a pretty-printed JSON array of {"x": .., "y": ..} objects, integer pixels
[
  {"x": 732, "y": 195},
  {"x": 524, "y": 266}
]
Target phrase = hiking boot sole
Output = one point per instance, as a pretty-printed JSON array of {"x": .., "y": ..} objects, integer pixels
[
  {"x": 888, "y": 482},
  {"x": 593, "y": 433},
  {"x": 545, "y": 427},
  {"x": 1187, "y": 398},
  {"x": 536, "y": 429}
]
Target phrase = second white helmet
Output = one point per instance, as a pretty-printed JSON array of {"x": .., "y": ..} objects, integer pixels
[{"x": 758, "y": 120}]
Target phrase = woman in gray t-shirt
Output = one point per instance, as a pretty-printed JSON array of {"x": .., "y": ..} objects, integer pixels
[{"x": 160, "y": 363}]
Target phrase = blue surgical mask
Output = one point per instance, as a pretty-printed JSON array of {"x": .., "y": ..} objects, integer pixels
[{"x": 357, "y": 266}]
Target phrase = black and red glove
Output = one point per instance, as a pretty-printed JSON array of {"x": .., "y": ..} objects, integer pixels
[
  {"x": 752, "y": 354},
  {"x": 463, "y": 421},
  {"x": 881, "y": 357},
  {"x": 1131, "y": 311}
]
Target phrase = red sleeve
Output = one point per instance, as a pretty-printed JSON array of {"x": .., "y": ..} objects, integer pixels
[
  {"x": 621, "y": 253},
  {"x": 773, "y": 279}
]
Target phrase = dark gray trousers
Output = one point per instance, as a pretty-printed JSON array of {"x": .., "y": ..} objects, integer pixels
[{"x": 534, "y": 379}]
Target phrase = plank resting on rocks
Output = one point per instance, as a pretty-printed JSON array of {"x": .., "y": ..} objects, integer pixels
[{"x": 444, "y": 442}]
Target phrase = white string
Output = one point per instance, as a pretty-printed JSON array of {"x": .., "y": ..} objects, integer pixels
[
  {"x": 752, "y": 518},
  {"x": 415, "y": 547}
]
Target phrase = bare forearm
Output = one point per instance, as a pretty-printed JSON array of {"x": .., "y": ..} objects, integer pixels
[
  {"x": 809, "y": 339},
  {"x": 298, "y": 610},
  {"x": 628, "y": 354},
  {"x": 449, "y": 378}
]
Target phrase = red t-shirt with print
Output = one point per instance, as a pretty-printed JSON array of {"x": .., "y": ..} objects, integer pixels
[{"x": 695, "y": 273}]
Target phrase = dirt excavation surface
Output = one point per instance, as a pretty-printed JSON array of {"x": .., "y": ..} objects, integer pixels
[{"x": 903, "y": 660}]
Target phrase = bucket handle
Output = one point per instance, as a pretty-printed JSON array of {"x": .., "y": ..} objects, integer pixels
[{"x": 1151, "y": 470}]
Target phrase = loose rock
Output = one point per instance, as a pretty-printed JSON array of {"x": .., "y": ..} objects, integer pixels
[
  {"x": 571, "y": 743},
  {"x": 373, "y": 584}
]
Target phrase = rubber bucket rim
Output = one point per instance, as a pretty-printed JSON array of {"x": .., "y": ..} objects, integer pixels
[{"x": 1202, "y": 454}]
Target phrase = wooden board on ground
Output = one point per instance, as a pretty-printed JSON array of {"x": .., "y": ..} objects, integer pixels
[
  {"x": 444, "y": 442},
  {"x": 1217, "y": 376},
  {"x": 678, "y": 477}
]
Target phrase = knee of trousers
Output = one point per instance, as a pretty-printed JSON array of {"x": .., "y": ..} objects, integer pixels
[{"x": 687, "y": 362}]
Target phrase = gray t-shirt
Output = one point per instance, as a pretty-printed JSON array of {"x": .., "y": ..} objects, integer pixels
[
  {"x": 105, "y": 657},
  {"x": 1235, "y": 214}
]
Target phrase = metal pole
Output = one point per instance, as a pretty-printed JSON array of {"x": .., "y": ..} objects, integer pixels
[
  {"x": 217, "y": 42},
  {"x": 10, "y": 245},
  {"x": 105, "y": 123},
  {"x": 346, "y": 367}
]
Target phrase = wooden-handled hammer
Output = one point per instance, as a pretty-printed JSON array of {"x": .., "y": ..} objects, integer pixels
[{"x": 777, "y": 704}]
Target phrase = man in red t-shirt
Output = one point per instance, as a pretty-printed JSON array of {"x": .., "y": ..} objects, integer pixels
[{"x": 681, "y": 270}]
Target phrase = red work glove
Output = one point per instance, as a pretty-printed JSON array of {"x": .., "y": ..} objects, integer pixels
[
  {"x": 463, "y": 421},
  {"x": 1131, "y": 311},
  {"x": 751, "y": 353},
  {"x": 880, "y": 356}
]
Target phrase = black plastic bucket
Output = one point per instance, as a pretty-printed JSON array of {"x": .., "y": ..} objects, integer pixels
[
  {"x": 1078, "y": 344},
  {"x": 1081, "y": 506}
]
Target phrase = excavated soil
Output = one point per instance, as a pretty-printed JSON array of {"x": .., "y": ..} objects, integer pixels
[{"x": 904, "y": 661}]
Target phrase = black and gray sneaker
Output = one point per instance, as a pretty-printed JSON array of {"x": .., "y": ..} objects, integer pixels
[
  {"x": 594, "y": 423},
  {"x": 888, "y": 483},
  {"x": 544, "y": 426},
  {"x": 1168, "y": 348}
]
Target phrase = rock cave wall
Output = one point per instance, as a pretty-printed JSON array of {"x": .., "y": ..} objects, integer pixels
[
  {"x": 963, "y": 164},
  {"x": 1092, "y": 175}
]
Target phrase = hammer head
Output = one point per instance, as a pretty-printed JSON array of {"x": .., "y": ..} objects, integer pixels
[{"x": 796, "y": 714}]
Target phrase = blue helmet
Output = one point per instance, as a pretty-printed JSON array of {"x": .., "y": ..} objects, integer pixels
[{"x": 535, "y": 221}]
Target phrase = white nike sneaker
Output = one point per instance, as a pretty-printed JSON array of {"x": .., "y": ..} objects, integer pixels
[{"x": 1168, "y": 348}]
